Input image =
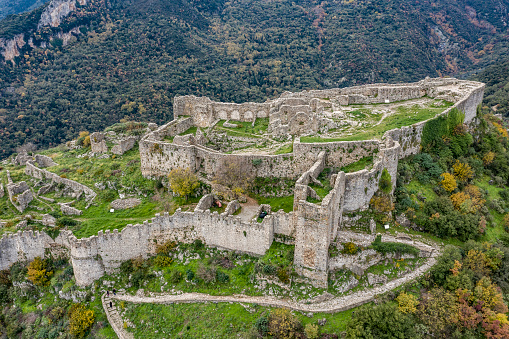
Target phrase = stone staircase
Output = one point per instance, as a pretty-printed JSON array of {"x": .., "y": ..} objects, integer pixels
[{"x": 114, "y": 318}]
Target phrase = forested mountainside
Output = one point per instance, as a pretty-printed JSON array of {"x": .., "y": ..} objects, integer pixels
[
  {"x": 496, "y": 78},
  {"x": 8, "y": 7},
  {"x": 83, "y": 65}
]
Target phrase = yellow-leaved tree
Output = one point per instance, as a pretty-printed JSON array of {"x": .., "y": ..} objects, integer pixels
[
  {"x": 38, "y": 272},
  {"x": 80, "y": 320},
  {"x": 407, "y": 303},
  {"x": 462, "y": 171},
  {"x": 488, "y": 158},
  {"x": 448, "y": 182},
  {"x": 183, "y": 181}
]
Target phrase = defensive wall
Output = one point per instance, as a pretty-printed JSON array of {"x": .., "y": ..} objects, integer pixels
[
  {"x": 312, "y": 226},
  {"x": 158, "y": 156}
]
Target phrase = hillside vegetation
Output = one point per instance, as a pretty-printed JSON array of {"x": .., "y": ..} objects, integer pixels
[{"x": 132, "y": 57}]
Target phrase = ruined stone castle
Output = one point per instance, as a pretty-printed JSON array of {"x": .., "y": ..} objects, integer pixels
[{"x": 310, "y": 226}]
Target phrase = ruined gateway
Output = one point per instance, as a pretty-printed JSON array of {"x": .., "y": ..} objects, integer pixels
[{"x": 310, "y": 226}]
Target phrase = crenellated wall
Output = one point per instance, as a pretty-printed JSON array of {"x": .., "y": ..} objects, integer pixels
[{"x": 313, "y": 226}]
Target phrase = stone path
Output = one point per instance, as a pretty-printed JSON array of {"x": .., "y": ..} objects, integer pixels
[
  {"x": 115, "y": 319},
  {"x": 332, "y": 305}
]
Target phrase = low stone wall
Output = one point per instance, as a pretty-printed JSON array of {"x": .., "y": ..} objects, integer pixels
[
  {"x": 44, "y": 161},
  {"x": 123, "y": 145},
  {"x": 43, "y": 174}
]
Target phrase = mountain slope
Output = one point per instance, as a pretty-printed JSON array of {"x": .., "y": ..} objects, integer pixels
[
  {"x": 107, "y": 60},
  {"x": 8, "y": 7}
]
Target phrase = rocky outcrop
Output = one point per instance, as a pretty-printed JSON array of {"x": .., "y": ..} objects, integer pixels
[
  {"x": 10, "y": 47},
  {"x": 122, "y": 204},
  {"x": 56, "y": 11}
]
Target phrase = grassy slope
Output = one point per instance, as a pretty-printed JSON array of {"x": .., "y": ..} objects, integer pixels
[{"x": 405, "y": 116}]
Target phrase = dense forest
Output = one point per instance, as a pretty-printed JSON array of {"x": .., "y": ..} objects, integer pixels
[{"x": 128, "y": 59}]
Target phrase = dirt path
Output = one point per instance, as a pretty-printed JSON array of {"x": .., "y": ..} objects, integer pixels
[
  {"x": 332, "y": 305},
  {"x": 248, "y": 210}
]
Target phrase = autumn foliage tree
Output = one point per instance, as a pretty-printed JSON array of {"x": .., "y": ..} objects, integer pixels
[
  {"x": 448, "y": 182},
  {"x": 38, "y": 272},
  {"x": 183, "y": 182},
  {"x": 80, "y": 320},
  {"x": 462, "y": 171}
]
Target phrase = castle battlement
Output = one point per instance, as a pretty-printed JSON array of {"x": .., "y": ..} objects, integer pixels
[{"x": 311, "y": 226}]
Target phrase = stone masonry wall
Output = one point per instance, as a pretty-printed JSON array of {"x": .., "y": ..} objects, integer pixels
[
  {"x": 42, "y": 174},
  {"x": 22, "y": 246}
]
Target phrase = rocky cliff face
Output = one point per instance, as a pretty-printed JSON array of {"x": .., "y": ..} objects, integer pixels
[
  {"x": 56, "y": 11},
  {"x": 10, "y": 47},
  {"x": 52, "y": 16}
]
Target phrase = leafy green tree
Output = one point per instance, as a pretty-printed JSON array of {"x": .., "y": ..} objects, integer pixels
[{"x": 381, "y": 321}]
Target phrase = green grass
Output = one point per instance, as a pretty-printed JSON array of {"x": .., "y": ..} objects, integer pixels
[
  {"x": 219, "y": 210},
  {"x": 285, "y": 149},
  {"x": 364, "y": 163},
  {"x": 214, "y": 321},
  {"x": 277, "y": 203},
  {"x": 245, "y": 129},
  {"x": 492, "y": 233},
  {"x": 405, "y": 116}
]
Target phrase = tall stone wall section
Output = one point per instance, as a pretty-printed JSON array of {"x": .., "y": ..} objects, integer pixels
[
  {"x": 23, "y": 246},
  {"x": 315, "y": 228},
  {"x": 362, "y": 185},
  {"x": 159, "y": 158},
  {"x": 205, "y": 111},
  {"x": 409, "y": 137},
  {"x": 94, "y": 256}
]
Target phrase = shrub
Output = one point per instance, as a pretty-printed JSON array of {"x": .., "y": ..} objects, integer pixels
[
  {"x": 38, "y": 272},
  {"x": 385, "y": 183},
  {"x": 138, "y": 277},
  {"x": 462, "y": 171},
  {"x": 350, "y": 248},
  {"x": 283, "y": 324},
  {"x": 407, "y": 303},
  {"x": 126, "y": 267},
  {"x": 80, "y": 320},
  {"x": 189, "y": 275},
  {"x": 392, "y": 247},
  {"x": 312, "y": 331},
  {"x": 448, "y": 182},
  {"x": 175, "y": 276},
  {"x": 107, "y": 195},
  {"x": 162, "y": 261},
  {"x": 283, "y": 275},
  {"x": 269, "y": 269},
  {"x": 488, "y": 158},
  {"x": 262, "y": 325},
  {"x": 222, "y": 277},
  {"x": 183, "y": 181},
  {"x": 382, "y": 203},
  {"x": 66, "y": 221},
  {"x": 198, "y": 244},
  {"x": 506, "y": 222},
  {"x": 166, "y": 248},
  {"x": 206, "y": 274}
]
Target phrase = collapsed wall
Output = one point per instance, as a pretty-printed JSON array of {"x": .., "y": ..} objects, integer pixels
[{"x": 43, "y": 174}]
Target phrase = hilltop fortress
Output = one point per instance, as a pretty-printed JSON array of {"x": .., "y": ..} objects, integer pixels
[{"x": 197, "y": 138}]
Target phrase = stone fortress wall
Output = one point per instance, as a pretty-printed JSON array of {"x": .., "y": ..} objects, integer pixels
[{"x": 311, "y": 226}]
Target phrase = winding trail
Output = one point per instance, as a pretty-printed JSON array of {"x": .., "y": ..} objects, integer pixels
[{"x": 337, "y": 304}]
